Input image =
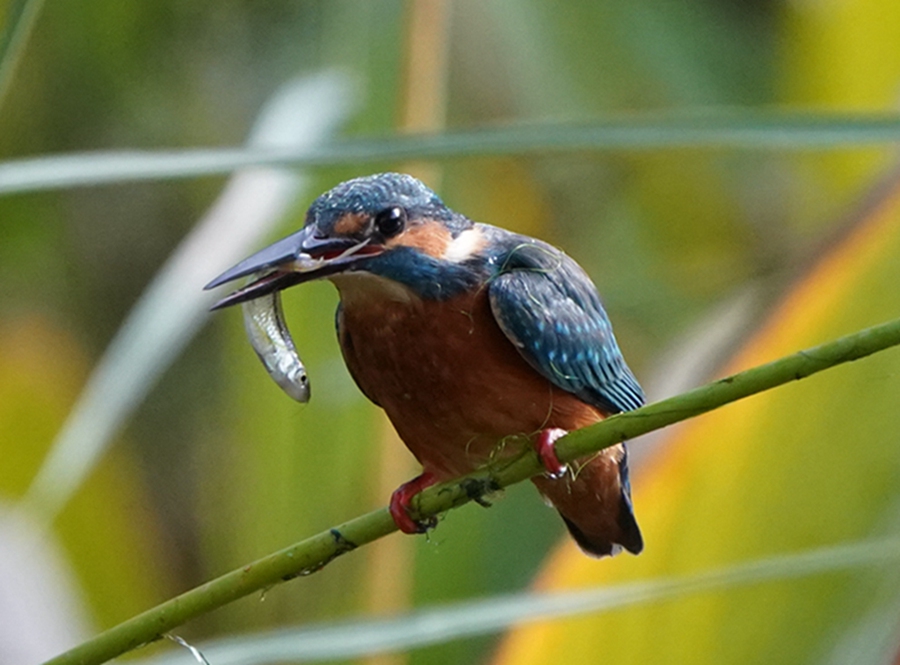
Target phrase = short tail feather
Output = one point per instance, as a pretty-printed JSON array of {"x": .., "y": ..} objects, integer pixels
[{"x": 596, "y": 504}]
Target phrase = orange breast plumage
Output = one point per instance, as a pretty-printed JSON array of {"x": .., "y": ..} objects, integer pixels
[{"x": 450, "y": 381}]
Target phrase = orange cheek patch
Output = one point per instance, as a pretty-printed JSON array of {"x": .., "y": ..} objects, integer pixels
[
  {"x": 429, "y": 237},
  {"x": 351, "y": 224}
]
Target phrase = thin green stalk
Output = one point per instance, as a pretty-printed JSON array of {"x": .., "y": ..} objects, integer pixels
[
  {"x": 747, "y": 130},
  {"x": 20, "y": 22},
  {"x": 314, "y": 553},
  {"x": 358, "y": 638}
]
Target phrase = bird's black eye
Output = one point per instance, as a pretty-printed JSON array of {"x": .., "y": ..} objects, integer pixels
[{"x": 390, "y": 221}]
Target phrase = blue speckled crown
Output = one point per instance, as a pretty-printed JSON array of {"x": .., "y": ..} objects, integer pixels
[{"x": 371, "y": 194}]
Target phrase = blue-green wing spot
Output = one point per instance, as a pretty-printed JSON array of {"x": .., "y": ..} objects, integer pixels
[{"x": 552, "y": 314}]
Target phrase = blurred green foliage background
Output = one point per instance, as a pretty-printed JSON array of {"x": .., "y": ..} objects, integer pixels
[{"x": 217, "y": 467}]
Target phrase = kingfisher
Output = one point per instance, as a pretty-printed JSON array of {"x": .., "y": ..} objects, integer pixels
[{"x": 472, "y": 338}]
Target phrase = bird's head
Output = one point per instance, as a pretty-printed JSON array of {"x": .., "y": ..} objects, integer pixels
[{"x": 388, "y": 224}]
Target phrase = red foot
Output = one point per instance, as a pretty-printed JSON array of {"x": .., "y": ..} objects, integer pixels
[
  {"x": 400, "y": 504},
  {"x": 545, "y": 447}
]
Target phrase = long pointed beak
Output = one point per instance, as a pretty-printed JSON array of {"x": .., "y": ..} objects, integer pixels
[{"x": 301, "y": 257}]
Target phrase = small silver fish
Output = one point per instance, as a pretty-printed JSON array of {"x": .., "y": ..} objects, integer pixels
[{"x": 271, "y": 339}]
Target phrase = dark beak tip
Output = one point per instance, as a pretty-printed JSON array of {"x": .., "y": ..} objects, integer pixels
[
  {"x": 334, "y": 256},
  {"x": 231, "y": 299},
  {"x": 242, "y": 269},
  {"x": 278, "y": 253},
  {"x": 233, "y": 273},
  {"x": 214, "y": 283},
  {"x": 274, "y": 281},
  {"x": 221, "y": 304}
]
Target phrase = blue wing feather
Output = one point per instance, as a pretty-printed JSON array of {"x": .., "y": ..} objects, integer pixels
[{"x": 549, "y": 309}]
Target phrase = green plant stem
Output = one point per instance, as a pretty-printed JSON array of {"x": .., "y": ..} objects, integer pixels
[
  {"x": 312, "y": 554},
  {"x": 20, "y": 22},
  {"x": 747, "y": 130}
]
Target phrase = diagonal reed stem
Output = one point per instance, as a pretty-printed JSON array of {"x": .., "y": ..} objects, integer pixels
[
  {"x": 744, "y": 130},
  {"x": 21, "y": 18},
  {"x": 312, "y": 554}
]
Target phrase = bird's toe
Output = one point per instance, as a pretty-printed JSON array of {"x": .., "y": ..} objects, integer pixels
[{"x": 399, "y": 506}]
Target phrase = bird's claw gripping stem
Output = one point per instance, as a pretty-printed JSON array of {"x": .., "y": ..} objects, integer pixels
[
  {"x": 399, "y": 506},
  {"x": 545, "y": 447}
]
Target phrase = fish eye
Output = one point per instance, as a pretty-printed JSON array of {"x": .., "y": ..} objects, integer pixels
[{"x": 390, "y": 221}]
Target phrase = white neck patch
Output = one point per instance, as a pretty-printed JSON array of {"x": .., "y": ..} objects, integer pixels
[{"x": 464, "y": 245}]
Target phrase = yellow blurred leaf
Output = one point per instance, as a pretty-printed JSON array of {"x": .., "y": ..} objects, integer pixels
[
  {"x": 810, "y": 464},
  {"x": 839, "y": 56},
  {"x": 110, "y": 536}
]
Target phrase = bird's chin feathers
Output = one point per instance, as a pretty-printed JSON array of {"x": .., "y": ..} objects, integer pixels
[{"x": 365, "y": 289}]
